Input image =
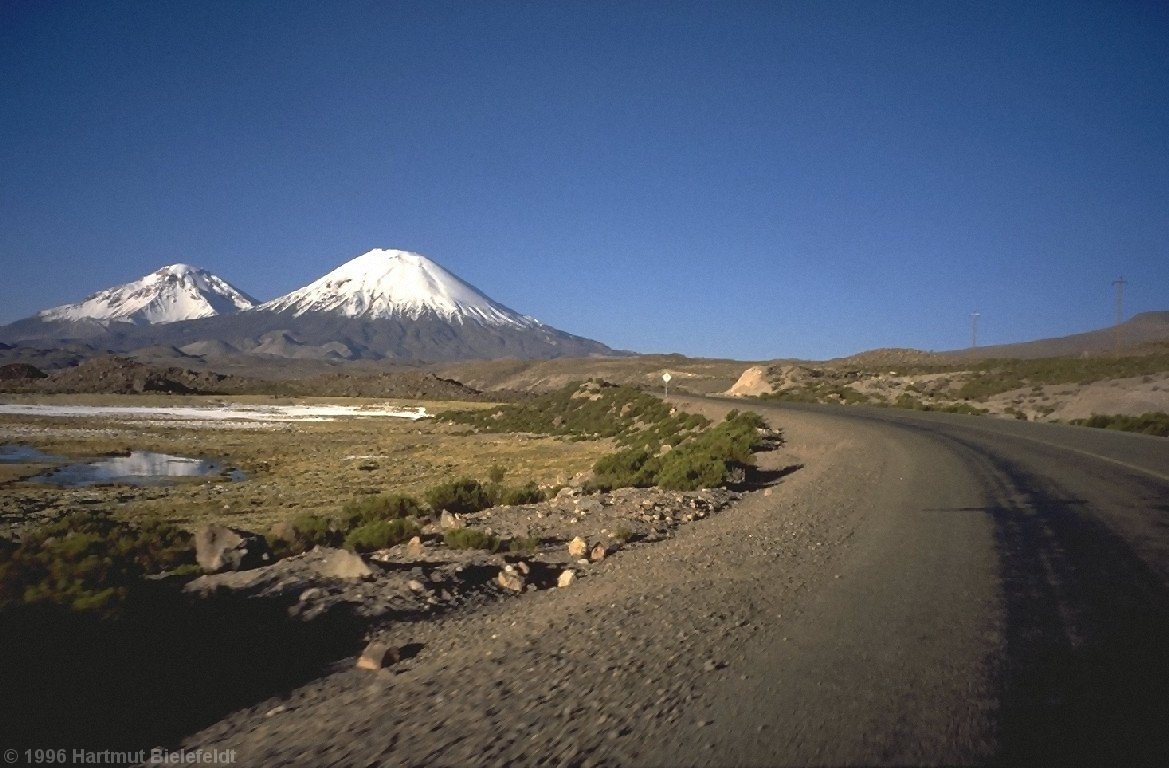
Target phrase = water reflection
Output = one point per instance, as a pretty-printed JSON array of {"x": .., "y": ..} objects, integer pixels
[{"x": 138, "y": 468}]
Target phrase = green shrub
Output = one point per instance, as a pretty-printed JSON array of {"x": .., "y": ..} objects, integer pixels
[
  {"x": 471, "y": 538},
  {"x": 459, "y": 497},
  {"x": 381, "y": 534},
  {"x": 514, "y": 495},
  {"x": 588, "y": 410},
  {"x": 304, "y": 532},
  {"x": 630, "y": 468},
  {"x": 524, "y": 544},
  {"x": 1147, "y": 423},
  {"x": 89, "y": 561},
  {"x": 690, "y": 468},
  {"x": 704, "y": 460},
  {"x": 369, "y": 509}
]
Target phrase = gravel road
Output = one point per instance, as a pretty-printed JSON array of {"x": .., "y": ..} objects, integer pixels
[{"x": 912, "y": 594}]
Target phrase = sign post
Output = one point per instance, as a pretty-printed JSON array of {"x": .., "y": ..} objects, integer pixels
[{"x": 666, "y": 381}]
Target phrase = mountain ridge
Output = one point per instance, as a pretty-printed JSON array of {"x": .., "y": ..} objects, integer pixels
[{"x": 383, "y": 304}]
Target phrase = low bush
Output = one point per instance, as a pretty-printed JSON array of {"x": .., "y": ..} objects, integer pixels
[
  {"x": 514, "y": 495},
  {"x": 369, "y": 509},
  {"x": 589, "y": 410},
  {"x": 1146, "y": 424},
  {"x": 705, "y": 460},
  {"x": 471, "y": 538},
  {"x": 630, "y": 468},
  {"x": 459, "y": 497},
  {"x": 381, "y": 534},
  {"x": 525, "y": 544},
  {"x": 304, "y": 532},
  {"x": 89, "y": 561}
]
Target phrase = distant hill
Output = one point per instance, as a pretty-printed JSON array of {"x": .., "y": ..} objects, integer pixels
[{"x": 1143, "y": 329}]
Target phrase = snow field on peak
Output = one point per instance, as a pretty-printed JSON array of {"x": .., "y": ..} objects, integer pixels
[
  {"x": 170, "y": 294},
  {"x": 391, "y": 283}
]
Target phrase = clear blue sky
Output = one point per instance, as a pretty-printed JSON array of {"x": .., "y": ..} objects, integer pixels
[{"x": 741, "y": 179}]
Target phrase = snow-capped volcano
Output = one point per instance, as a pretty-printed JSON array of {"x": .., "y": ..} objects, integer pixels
[
  {"x": 391, "y": 284},
  {"x": 174, "y": 293}
]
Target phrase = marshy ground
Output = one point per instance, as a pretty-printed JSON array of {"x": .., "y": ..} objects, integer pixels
[{"x": 289, "y": 467}]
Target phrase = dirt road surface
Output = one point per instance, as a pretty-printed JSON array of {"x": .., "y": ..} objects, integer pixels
[{"x": 922, "y": 590}]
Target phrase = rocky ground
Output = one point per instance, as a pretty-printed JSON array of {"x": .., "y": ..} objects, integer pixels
[
  {"x": 425, "y": 577},
  {"x": 574, "y": 675}
]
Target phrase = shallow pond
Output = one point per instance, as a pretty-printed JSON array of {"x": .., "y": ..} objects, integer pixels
[
  {"x": 138, "y": 468},
  {"x": 14, "y": 453}
]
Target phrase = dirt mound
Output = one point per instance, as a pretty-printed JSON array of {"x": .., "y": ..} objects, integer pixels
[
  {"x": 20, "y": 372},
  {"x": 117, "y": 375},
  {"x": 752, "y": 383},
  {"x": 412, "y": 385}
]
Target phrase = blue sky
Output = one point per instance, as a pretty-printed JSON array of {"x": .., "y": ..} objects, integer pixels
[{"x": 741, "y": 179}]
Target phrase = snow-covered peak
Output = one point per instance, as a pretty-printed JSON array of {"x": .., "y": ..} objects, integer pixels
[
  {"x": 391, "y": 283},
  {"x": 173, "y": 293}
]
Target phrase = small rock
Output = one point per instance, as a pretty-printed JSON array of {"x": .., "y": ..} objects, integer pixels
[
  {"x": 447, "y": 521},
  {"x": 378, "y": 656},
  {"x": 566, "y": 579},
  {"x": 523, "y": 568},
  {"x": 343, "y": 564},
  {"x": 509, "y": 578},
  {"x": 311, "y": 594},
  {"x": 577, "y": 547},
  {"x": 598, "y": 554},
  {"x": 367, "y": 466},
  {"x": 568, "y": 492},
  {"x": 414, "y": 585},
  {"x": 415, "y": 547},
  {"x": 587, "y": 506}
]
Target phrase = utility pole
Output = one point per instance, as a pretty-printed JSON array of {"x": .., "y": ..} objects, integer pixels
[
  {"x": 1119, "y": 284},
  {"x": 974, "y": 329}
]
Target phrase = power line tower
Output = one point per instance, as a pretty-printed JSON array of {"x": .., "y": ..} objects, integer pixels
[
  {"x": 974, "y": 329},
  {"x": 1119, "y": 284}
]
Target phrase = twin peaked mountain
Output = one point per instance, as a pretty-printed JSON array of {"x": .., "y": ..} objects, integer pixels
[{"x": 382, "y": 304}]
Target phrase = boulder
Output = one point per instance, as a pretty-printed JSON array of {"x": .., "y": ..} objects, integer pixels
[
  {"x": 415, "y": 547},
  {"x": 218, "y": 548},
  {"x": 343, "y": 564},
  {"x": 379, "y": 656}
]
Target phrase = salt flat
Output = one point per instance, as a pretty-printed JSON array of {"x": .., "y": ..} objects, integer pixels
[{"x": 229, "y": 411}]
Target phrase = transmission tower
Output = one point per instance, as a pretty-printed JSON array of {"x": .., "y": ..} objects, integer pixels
[
  {"x": 974, "y": 329},
  {"x": 1119, "y": 284}
]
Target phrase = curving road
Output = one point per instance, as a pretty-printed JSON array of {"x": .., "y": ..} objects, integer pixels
[
  {"x": 914, "y": 589},
  {"x": 1005, "y": 598}
]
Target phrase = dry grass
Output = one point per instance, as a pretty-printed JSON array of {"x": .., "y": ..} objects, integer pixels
[{"x": 291, "y": 467}]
